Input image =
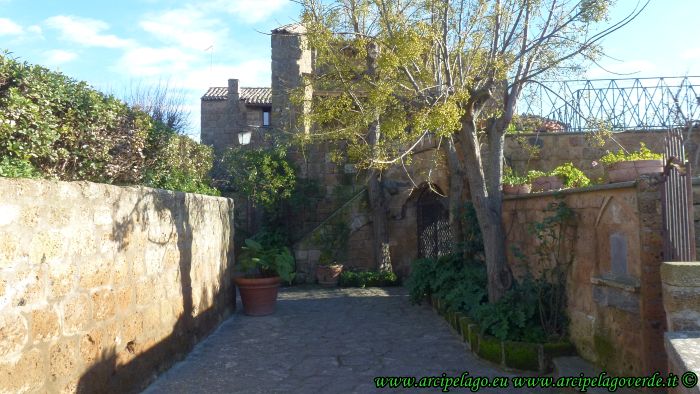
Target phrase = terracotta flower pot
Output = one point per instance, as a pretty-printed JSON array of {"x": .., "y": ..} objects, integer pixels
[
  {"x": 624, "y": 171},
  {"x": 516, "y": 189},
  {"x": 545, "y": 183},
  {"x": 328, "y": 275},
  {"x": 258, "y": 295}
]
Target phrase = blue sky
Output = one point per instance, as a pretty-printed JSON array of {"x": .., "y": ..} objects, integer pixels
[{"x": 117, "y": 44}]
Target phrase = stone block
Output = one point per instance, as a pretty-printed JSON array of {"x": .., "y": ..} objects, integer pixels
[
  {"x": 103, "y": 304},
  {"x": 77, "y": 314},
  {"x": 685, "y": 274},
  {"x": 27, "y": 374},
  {"x": 14, "y": 334},
  {"x": 45, "y": 324},
  {"x": 63, "y": 360},
  {"x": 617, "y": 298},
  {"x": 93, "y": 272}
]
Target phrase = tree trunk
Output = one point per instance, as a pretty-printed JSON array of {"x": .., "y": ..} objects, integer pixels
[
  {"x": 380, "y": 241},
  {"x": 456, "y": 192},
  {"x": 487, "y": 204}
]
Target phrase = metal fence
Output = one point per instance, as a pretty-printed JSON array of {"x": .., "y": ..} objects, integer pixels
[{"x": 618, "y": 104}]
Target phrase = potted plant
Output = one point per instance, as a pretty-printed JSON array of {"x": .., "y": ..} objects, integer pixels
[
  {"x": 628, "y": 166},
  {"x": 543, "y": 181},
  {"x": 333, "y": 239},
  {"x": 514, "y": 184},
  {"x": 571, "y": 176},
  {"x": 263, "y": 269}
]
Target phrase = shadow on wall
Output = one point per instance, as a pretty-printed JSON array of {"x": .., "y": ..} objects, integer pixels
[{"x": 129, "y": 363}]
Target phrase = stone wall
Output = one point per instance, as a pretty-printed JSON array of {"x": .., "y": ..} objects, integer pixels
[
  {"x": 102, "y": 287},
  {"x": 613, "y": 286},
  {"x": 559, "y": 148}
]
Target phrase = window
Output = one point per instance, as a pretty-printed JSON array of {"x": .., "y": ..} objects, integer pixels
[{"x": 266, "y": 117}]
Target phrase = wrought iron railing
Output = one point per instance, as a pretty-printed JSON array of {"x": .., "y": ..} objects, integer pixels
[{"x": 619, "y": 104}]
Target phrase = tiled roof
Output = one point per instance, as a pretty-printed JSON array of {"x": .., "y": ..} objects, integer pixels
[
  {"x": 249, "y": 95},
  {"x": 256, "y": 95},
  {"x": 292, "y": 28},
  {"x": 216, "y": 94}
]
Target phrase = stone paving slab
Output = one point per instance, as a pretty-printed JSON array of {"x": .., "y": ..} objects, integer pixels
[{"x": 326, "y": 341}]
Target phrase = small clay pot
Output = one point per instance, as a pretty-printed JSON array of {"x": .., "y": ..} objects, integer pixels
[
  {"x": 545, "y": 183},
  {"x": 328, "y": 275},
  {"x": 516, "y": 189}
]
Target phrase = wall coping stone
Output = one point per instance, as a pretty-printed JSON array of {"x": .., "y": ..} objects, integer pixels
[
  {"x": 627, "y": 284},
  {"x": 681, "y": 273},
  {"x": 683, "y": 349},
  {"x": 575, "y": 190},
  {"x": 567, "y": 133}
]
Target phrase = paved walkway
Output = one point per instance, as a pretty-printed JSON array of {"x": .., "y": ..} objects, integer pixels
[{"x": 325, "y": 341}]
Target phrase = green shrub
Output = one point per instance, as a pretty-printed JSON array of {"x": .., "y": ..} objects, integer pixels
[
  {"x": 571, "y": 176},
  {"x": 642, "y": 154},
  {"x": 368, "y": 279},
  {"x": 264, "y": 175},
  {"x": 17, "y": 168},
  {"x": 54, "y": 126}
]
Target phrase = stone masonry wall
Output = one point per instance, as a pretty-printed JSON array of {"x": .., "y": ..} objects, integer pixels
[
  {"x": 559, "y": 148},
  {"x": 102, "y": 287},
  {"x": 613, "y": 286}
]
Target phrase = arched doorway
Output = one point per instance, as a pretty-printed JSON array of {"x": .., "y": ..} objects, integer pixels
[{"x": 433, "y": 224}]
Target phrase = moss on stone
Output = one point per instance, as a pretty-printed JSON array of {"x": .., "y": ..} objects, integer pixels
[
  {"x": 604, "y": 349},
  {"x": 490, "y": 348},
  {"x": 464, "y": 323},
  {"x": 473, "y": 336},
  {"x": 522, "y": 355}
]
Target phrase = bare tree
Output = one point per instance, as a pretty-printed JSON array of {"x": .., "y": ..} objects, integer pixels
[
  {"x": 452, "y": 67},
  {"x": 164, "y": 104}
]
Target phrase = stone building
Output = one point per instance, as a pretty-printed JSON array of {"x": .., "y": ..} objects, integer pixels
[{"x": 229, "y": 113}]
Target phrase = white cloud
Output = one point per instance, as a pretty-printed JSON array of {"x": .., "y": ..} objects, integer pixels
[
  {"x": 690, "y": 54},
  {"x": 36, "y": 29},
  {"x": 57, "y": 56},
  {"x": 149, "y": 62},
  {"x": 86, "y": 31},
  {"x": 249, "y": 11},
  {"x": 251, "y": 73},
  {"x": 9, "y": 28},
  {"x": 185, "y": 27}
]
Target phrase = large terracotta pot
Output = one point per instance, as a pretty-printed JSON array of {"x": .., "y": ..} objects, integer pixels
[
  {"x": 258, "y": 295},
  {"x": 516, "y": 189},
  {"x": 624, "y": 171},
  {"x": 328, "y": 275},
  {"x": 545, "y": 183}
]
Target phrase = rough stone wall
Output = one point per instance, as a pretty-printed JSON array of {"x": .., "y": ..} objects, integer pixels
[
  {"x": 290, "y": 60},
  {"x": 559, "y": 148},
  {"x": 216, "y": 124},
  {"x": 101, "y": 287},
  {"x": 613, "y": 287}
]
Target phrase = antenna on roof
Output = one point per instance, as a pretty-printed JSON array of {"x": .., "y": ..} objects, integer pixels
[{"x": 211, "y": 56}]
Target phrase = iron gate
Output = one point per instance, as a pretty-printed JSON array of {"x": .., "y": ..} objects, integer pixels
[
  {"x": 434, "y": 235},
  {"x": 677, "y": 202}
]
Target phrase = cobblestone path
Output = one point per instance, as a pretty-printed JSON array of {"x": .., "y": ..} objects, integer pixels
[{"x": 326, "y": 341}]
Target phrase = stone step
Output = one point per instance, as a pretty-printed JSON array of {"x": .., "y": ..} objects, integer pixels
[{"x": 573, "y": 366}]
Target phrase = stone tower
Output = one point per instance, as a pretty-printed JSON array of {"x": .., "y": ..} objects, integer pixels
[{"x": 291, "y": 59}]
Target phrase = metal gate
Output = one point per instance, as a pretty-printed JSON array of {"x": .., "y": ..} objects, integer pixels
[
  {"x": 677, "y": 202},
  {"x": 434, "y": 236}
]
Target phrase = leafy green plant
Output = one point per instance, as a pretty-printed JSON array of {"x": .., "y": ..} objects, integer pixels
[
  {"x": 332, "y": 239},
  {"x": 643, "y": 153},
  {"x": 571, "y": 176},
  {"x": 513, "y": 179},
  {"x": 368, "y": 279},
  {"x": 532, "y": 174},
  {"x": 258, "y": 261},
  {"x": 16, "y": 168},
  {"x": 264, "y": 175}
]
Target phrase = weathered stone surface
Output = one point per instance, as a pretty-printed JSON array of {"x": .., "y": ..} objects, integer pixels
[
  {"x": 685, "y": 274},
  {"x": 27, "y": 374},
  {"x": 351, "y": 336},
  {"x": 14, "y": 334},
  {"x": 67, "y": 284},
  {"x": 45, "y": 324}
]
